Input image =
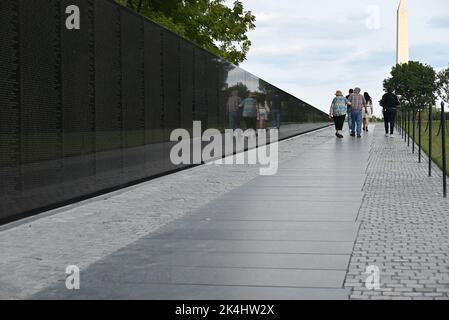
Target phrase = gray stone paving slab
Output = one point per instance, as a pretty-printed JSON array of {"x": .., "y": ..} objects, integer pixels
[
  {"x": 293, "y": 206},
  {"x": 197, "y": 292},
  {"x": 261, "y": 235},
  {"x": 314, "y": 201},
  {"x": 313, "y": 197},
  {"x": 255, "y": 214},
  {"x": 318, "y": 174},
  {"x": 337, "y": 164},
  {"x": 239, "y": 246},
  {"x": 122, "y": 272},
  {"x": 242, "y": 260},
  {"x": 267, "y": 225},
  {"x": 308, "y": 190},
  {"x": 310, "y": 184}
]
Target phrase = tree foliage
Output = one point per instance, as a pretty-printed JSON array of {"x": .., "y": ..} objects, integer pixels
[
  {"x": 208, "y": 23},
  {"x": 242, "y": 89},
  {"x": 443, "y": 84},
  {"x": 415, "y": 84}
]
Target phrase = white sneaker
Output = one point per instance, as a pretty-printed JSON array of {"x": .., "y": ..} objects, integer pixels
[
  {"x": 386, "y": 135},
  {"x": 391, "y": 136}
]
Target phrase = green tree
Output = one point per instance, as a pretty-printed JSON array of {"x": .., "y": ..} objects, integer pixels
[
  {"x": 415, "y": 84},
  {"x": 208, "y": 23},
  {"x": 443, "y": 84},
  {"x": 242, "y": 89}
]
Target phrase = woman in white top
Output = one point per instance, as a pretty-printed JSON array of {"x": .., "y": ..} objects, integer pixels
[
  {"x": 367, "y": 112},
  {"x": 262, "y": 113}
]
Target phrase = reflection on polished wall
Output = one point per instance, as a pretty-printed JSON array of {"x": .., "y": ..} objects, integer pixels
[{"x": 87, "y": 110}]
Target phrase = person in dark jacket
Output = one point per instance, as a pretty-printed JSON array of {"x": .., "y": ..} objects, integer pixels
[
  {"x": 389, "y": 103},
  {"x": 351, "y": 92},
  {"x": 276, "y": 110}
]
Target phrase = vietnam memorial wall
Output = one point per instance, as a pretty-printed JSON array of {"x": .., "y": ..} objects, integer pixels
[{"x": 83, "y": 111}]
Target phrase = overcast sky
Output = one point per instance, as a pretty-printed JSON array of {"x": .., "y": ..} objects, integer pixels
[{"x": 313, "y": 48}]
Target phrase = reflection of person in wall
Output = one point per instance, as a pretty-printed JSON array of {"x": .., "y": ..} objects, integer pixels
[
  {"x": 249, "y": 113},
  {"x": 276, "y": 110},
  {"x": 233, "y": 106},
  {"x": 262, "y": 113}
]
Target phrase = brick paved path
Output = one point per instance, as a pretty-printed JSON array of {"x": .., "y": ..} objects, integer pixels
[{"x": 404, "y": 227}]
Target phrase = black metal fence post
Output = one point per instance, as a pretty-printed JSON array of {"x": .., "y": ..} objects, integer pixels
[
  {"x": 414, "y": 129},
  {"x": 408, "y": 128},
  {"x": 443, "y": 140},
  {"x": 430, "y": 139},
  {"x": 402, "y": 124},
  {"x": 405, "y": 125},
  {"x": 419, "y": 135}
]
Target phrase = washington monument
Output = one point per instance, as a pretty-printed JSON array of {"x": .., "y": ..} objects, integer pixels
[{"x": 402, "y": 49}]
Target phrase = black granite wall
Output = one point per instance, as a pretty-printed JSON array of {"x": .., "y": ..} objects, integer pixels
[{"x": 87, "y": 110}]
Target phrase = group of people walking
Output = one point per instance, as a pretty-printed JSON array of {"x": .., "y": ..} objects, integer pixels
[
  {"x": 358, "y": 108},
  {"x": 251, "y": 110}
]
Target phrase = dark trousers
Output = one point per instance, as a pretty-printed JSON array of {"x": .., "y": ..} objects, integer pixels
[
  {"x": 251, "y": 123},
  {"x": 339, "y": 122},
  {"x": 234, "y": 120},
  {"x": 276, "y": 114},
  {"x": 389, "y": 120}
]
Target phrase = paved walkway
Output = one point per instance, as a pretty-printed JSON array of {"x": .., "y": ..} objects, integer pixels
[
  {"x": 224, "y": 232},
  {"x": 35, "y": 252},
  {"x": 286, "y": 236},
  {"x": 404, "y": 227}
]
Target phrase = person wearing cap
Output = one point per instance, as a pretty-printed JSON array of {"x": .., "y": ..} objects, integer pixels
[
  {"x": 358, "y": 103},
  {"x": 338, "y": 110}
]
